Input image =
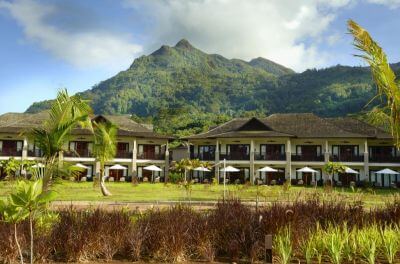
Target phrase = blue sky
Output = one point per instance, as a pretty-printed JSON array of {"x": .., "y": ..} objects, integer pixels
[{"x": 46, "y": 45}]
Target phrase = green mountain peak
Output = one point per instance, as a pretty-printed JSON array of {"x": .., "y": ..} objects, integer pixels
[{"x": 184, "y": 44}]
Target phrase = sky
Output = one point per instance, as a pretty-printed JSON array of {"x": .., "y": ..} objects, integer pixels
[{"x": 46, "y": 45}]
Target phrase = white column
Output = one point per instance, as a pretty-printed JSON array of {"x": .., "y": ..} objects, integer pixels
[
  {"x": 217, "y": 159},
  {"x": 252, "y": 162},
  {"x": 134, "y": 160},
  {"x": 166, "y": 171},
  {"x": 366, "y": 160},
  {"x": 25, "y": 149},
  {"x": 288, "y": 159},
  {"x": 326, "y": 158}
]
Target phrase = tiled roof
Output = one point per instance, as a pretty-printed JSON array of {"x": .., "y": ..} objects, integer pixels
[
  {"x": 357, "y": 126},
  {"x": 20, "y": 122},
  {"x": 304, "y": 125}
]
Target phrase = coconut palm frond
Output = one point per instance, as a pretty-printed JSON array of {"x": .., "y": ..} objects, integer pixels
[{"x": 383, "y": 75}]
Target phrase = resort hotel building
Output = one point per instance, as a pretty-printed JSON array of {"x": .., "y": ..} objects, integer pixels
[
  {"x": 287, "y": 143},
  {"x": 138, "y": 146}
]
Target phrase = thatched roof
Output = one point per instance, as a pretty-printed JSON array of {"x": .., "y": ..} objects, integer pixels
[
  {"x": 301, "y": 125},
  {"x": 21, "y": 122}
]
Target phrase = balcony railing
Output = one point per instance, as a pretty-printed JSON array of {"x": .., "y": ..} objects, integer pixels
[
  {"x": 152, "y": 156},
  {"x": 203, "y": 156},
  {"x": 35, "y": 153},
  {"x": 384, "y": 159},
  {"x": 10, "y": 153},
  {"x": 303, "y": 157},
  {"x": 235, "y": 156},
  {"x": 123, "y": 155},
  {"x": 81, "y": 153},
  {"x": 348, "y": 158},
  {"x": 269, "y": 156}
]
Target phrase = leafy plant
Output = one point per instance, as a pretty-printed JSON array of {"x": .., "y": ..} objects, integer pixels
[
  {"x": 390, "y": 242},
  {"x": 28, "y": 201},
  {"x": 368, "y": 242},
  {"x": 283, "y": 246},
  {"x": 13, "y": 215},
  {"x": 334, "y": 243}
]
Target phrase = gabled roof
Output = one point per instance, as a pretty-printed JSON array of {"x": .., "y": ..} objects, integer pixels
[
  {"x": 302, "y": 125},
  {"x": 20, "y": 122},
  {"x": 238, "y": 128}
]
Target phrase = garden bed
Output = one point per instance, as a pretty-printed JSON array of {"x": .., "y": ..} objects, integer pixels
[{"x": 230, "y": 232}]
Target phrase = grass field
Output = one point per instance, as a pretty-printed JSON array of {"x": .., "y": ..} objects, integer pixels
[{"x": 147, "y": 192}]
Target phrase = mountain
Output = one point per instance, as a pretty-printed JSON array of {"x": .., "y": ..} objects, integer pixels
[{"x": 184, "y": 89}]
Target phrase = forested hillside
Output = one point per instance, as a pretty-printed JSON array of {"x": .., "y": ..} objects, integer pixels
[{"x": 183, "y": 89}]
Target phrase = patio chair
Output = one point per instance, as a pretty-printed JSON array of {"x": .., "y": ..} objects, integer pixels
[
  {"x": 72, "y": 179},
  {"x": 196, "y": 180},
  {"x": 145, "y": 179},
  {"x": 157, "y": 179},
  {"x": 352, "y": 184},
  {"x": 205, "y": 181},
  {"x": 300, "y": 182},
  {"x": 111, "y": 179},
  {"x": 122, "y": 179},
  {"x": 83, "y": 179}
]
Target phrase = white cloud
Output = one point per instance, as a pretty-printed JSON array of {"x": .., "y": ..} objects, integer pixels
[
  {"x": 99, "y": 49},
  {"x": 333, "y": 39},
  {"x": 390, "y": 3},
  {"x": 274, "y": 29}
]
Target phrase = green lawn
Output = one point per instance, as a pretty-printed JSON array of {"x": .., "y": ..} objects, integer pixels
[{"x": 147, "y": 192}]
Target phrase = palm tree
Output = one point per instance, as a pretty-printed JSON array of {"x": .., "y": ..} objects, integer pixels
[
  {"x": 104, "y": 148},
  {"x": 388, "y": 87},
  {"x": 66, "y": 113}
]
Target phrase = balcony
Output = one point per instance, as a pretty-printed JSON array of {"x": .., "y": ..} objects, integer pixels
[
  {"x": 303, "y": 157},
  {"x": 235, "y": 156},
  {"x": 35, "y": 153},
  {"x": 269, "y": 156},
  {"x": 123, "y": 155},
  {"x": 347, "y": 158},
  {"x": 78, "y": 154},
  {"x": 151, "y": 156},
  {"x": 384, "y": 159},
  {"x": 10, "y": 153},
  {"x": 203, "y": 156}
]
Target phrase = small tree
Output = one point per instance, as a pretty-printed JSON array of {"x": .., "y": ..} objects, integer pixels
[
  {"x": 333, "y": 167},
  {"x": 104, "y": 148},
  {"x": 13, "y": 215},
  {"x": 28, "y": 201}
]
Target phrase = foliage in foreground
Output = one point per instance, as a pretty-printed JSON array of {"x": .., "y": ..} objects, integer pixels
[{"x": 307, "y": 230}]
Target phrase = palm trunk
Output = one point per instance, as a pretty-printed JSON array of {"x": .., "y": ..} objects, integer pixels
[
  {"x": 103, "y": 187},
  {"x": 31, "y": 229},
  {"x": 18, "y": 245}
]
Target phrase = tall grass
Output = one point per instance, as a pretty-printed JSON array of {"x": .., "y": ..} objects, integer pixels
[{"x": 309, "y": 230}]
